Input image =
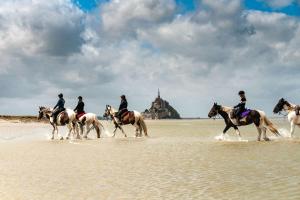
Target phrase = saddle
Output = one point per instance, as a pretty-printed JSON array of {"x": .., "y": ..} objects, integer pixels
[
  {"x": 242, "y": 115},
  {"x": 128, "y": 117},
  {"x": 64, "y": 118},
  {"x": 78, "y": 115},
  {"x": 245, "y": 113}
]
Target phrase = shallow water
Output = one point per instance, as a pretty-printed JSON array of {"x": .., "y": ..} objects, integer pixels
[{"x": 180, "y": 160}]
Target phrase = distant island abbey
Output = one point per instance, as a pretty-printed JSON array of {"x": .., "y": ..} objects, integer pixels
[{"x": 161, "y": 109}]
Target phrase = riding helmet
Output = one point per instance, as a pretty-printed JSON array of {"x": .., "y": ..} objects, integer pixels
[
  {"x": 123, "y": 96},
  {"x": 60, "y": 95},
  {"x": 241, "y": 92},
  {"x": 80, "y": 97}
]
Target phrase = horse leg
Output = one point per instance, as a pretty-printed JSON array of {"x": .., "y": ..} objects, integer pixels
[
  {"x": 60, "y": 137},
  {"x": 70, "y": 130},
  {"x": 264, "y": 130},
  {"x": 259, "y": 133},
  {"x": 53, "y": 132},
  {"x": 292, "y": 129},
  {"x": 87, "y": 130},
  {"x": 136, "y": 131},
  {"x": 120, "y": 127},
  {"x": 114, "y": 132},
  {"x": 237, "y": 131}
]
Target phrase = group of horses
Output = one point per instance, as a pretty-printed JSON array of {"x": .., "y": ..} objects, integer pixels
[
  {"x": 256, "y": 117},
  {"x": 89, "y": 121}
]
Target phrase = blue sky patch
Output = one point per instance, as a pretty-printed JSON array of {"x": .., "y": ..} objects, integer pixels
[{"x": 190, "y": 5}]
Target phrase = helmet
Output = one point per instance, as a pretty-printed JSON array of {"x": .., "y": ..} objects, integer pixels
[
  {"x": 241, "y": 92},
  {"x": 60, "y": 95},
  {"x": 80, "y": 97},
  {"x": 123, "y": 96}
]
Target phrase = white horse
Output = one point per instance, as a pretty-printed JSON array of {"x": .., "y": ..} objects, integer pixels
[
  {"x": 294, "y": 119},
  {"x": 257, "y": 117},
  {"x": 131, "y": 117},
  {"x": 89, "y": 119},
  {"x": 66, "y": 117}
]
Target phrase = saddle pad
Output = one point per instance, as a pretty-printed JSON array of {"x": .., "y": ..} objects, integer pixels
[{"x": 245, "y": 113}]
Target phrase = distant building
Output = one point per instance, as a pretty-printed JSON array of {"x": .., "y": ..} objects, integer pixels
[{"x": 161, "y": 109}]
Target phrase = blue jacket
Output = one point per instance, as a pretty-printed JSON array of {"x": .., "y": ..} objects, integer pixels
[{"x": 60, "y": 104}]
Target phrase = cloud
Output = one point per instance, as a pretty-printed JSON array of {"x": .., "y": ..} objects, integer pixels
[{"x": 133, "y": 47}]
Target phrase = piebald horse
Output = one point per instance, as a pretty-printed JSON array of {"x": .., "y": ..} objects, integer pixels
[
  {"x": 89, "y": 119},
  {"x": 61, "y": 120},
  {"x": 294, "y": 119},
  {"x": 255, "y": 116},
  {"x": 137, "y": 120}
]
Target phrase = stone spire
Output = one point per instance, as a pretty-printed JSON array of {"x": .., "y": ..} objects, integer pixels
[{"x": 158, "y": 93}]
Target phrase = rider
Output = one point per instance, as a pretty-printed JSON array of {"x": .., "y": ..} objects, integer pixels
[
  {"x": 238, "y": 109},
  {"x": 59, "y": 107},
  {"x": 79, "y": 108},
  {"x": 122, "y": 107}
]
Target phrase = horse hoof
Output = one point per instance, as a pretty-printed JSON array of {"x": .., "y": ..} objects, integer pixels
[
  {"x": 267, "y": 139},
  {"x": 67, "y": 138},
  {"x": 61, "y": 138}
]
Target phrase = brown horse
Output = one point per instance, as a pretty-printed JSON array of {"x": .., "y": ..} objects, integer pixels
[{"x": 135, "y": 118}]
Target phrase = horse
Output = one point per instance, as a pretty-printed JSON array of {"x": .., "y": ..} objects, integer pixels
[
  {"x": 254, "y": 116},
  {"x": 131, "y": 117},
  {"x": 66, "y": 117},
  {"x": 89, "y": 119},
  {"x": 294, "y": 119}
]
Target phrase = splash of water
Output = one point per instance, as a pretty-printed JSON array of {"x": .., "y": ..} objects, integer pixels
[
  {"x": 284, "y": 133},
  {"x": 227, "y": 138}
]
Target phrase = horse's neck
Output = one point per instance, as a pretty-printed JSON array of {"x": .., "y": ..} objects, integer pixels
[
  {"x": 226, "y": 109},
  {"x": 113, "y": 111},
  {"x": 224, "y": 114},
  {"x": 289, "y": 108}
]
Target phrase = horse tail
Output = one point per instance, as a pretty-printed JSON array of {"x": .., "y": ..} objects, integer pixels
[
  {"x": 97, "y": 124},
  {"x": 143, "y": 124},
  {"x": 271, "y": 126}
]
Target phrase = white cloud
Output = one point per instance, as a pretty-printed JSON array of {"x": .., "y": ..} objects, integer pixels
[{"x": 134, "y": 47}]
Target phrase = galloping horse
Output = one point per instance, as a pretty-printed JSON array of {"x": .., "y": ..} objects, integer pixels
[
  {"x": 290, "y": 109},
  {"x": 66, "y": 117},
  {"x": 135, "y": 118},
  {"x": 255, "y": 116},
  {"x": 89, "y": 119}
]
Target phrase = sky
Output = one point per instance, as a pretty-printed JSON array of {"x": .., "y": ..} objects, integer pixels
[{"x": 196, "y": 52}]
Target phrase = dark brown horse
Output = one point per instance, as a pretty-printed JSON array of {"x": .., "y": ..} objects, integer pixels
[{"x": 256, "y": 117}]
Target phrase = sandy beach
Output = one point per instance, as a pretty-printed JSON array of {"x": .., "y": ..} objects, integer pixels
[{"x": 180, "y": 160}]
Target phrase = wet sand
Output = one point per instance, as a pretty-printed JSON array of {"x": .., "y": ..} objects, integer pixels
[{"x": 180, "y": 160}]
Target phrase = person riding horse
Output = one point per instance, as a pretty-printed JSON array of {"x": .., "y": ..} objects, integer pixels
[
  {"x": 79, "y": 108},
  {"x": 122, "y": 108},
  {"x": 59, "y": 107},
  {"x": 240, "y": 108}
]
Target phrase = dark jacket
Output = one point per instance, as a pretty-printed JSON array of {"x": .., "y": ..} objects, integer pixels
[
  {"x": 242, "y": 105},
  {"x": 60, "y": 104},
  {"x": 80, "y": 107},
  {"x": 123, "y": 104}
]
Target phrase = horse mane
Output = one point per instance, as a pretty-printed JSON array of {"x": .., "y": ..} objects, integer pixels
[
  {"x": 226, "y": 108},
  {"x": 113, "y": 109}
]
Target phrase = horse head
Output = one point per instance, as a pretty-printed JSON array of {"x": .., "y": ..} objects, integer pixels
[
  {"x": 107, "y": 111},
  {"x": 43, "y": 112},
  {"x": 214, "y": 110},
  {"x": 279, "y": 106}
]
